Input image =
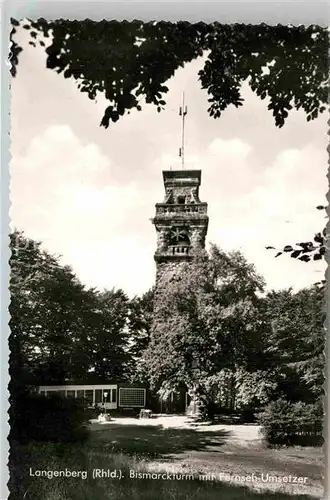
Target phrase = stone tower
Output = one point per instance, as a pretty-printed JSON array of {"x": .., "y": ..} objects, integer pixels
[{"x": 181, "y": 223}]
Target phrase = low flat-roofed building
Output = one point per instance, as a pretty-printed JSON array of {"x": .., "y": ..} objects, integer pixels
[{"x": 111, "y": 396}]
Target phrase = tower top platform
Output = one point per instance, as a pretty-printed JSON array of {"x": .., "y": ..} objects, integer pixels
[{"x": 182, "y": 177}]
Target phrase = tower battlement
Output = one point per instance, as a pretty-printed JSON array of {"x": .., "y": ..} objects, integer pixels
[
  {"x": 184, "y": 176},
  {"x": 181, "y": 220}
]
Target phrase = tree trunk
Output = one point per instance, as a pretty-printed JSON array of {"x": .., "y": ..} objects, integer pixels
[{"x": 232, "y": 392}]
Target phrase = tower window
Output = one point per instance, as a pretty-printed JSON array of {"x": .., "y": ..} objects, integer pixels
[
  {"x": 179, "y": 236},
  {"x": 181, "y": 200}
]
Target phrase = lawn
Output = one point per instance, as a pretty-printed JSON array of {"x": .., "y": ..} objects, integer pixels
[
  {"x": 193, "y": 456},
  {"x": 175, "y": 443}
]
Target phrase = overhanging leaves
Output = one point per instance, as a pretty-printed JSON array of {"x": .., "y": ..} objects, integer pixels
[{"x": 129, "y": 62}]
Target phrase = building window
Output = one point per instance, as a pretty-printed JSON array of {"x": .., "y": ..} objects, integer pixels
[
  {"x": 114, "y": 395},
  {"x": 70, "y": 394},
  {"x": 98, "y": 395},
  {"x": 179, "y": 236},
  {"x": 80, "y": 394},
  {"x": 106, "y": 394},
  {"x": 89, "y": 396},
  {"x": 57, "y": 392}
]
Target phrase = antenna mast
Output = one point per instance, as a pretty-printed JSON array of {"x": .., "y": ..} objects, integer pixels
[{"x": 183, "y": 110}]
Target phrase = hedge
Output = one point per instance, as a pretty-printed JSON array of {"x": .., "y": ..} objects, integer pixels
[
  {"x": 290, "y": 424},
  {"x": 48, "y": 419}
]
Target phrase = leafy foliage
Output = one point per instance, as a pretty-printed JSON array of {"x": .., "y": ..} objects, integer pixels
[
  {"x": 293, "y": 423},
  {"x": 241, "y": 388},
  {"x": 296, "y": 342},
  {"x": 140, "y": 323},
  {"x": 308, "y": 250},
  {"x": 52, "y": 419},
  {"x": 59, "y": 330},
  {"x": 206, "y": 320},
  {"x": 216, "y": 335},
  {"x": 132, "y": 61},
  {"x": 210, "y": 330},
  {"x": 239, "y": 392},
  {"x": 108, "y": 342}
]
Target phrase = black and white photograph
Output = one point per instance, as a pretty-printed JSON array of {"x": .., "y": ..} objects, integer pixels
[{"x": 168, "y": 247}]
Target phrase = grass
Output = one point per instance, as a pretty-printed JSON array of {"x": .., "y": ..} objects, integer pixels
[
  {"x": 87, "y": 457},
  {"x": 160, "y": 447},
  {"x": 154, "y": 441}
]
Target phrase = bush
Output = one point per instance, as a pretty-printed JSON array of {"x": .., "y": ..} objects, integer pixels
[
  {"x": 48, "y": 419},
  {"x": 290, "y": 424}
]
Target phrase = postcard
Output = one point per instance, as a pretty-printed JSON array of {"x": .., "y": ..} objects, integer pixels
[{"x": 168, "y": 255}]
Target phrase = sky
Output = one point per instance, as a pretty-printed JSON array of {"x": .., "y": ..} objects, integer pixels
[{"x": 89, "y": 193}]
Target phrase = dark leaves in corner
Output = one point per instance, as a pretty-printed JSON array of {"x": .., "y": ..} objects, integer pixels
[{"x": 129, "y": 61}]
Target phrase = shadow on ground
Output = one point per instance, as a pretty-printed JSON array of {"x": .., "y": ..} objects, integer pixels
[
  {"x": 155, "y": 441},
  {"x": 60, "y": 457},
  {"x": 43, "y": 456}
]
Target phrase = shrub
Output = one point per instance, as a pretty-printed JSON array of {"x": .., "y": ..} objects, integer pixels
[
  {"x": 289, "y": 423},
  {"x": 52, "y": 419}
]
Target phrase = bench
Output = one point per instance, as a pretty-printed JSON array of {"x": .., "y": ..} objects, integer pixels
[{"x": 145, "y": 413}]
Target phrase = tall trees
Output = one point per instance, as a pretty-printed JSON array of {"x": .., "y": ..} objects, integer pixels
[
  {"x": 140, "y": 323},
  {"x": 212, "y": 330},
  {"x": 297, "y": 341},
  {"x": 44, "y": 317},
  {"x": 130, "y": 62},
  {"x": 60, "y": 330},
  {"x": 206, "y": 320},
  {"x": 111, "y": 357},
  {"x": 215, "y": 332}
]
